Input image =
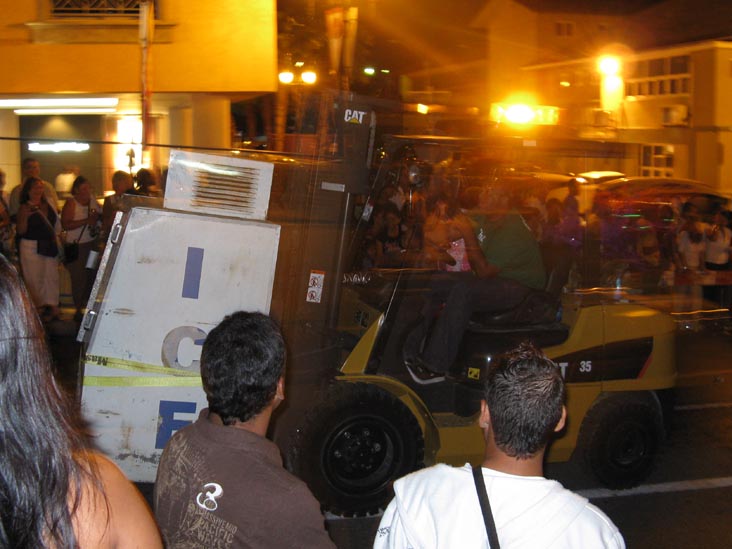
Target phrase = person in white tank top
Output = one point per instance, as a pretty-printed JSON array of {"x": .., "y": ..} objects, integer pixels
[
  {"x": 80, "y": 218},
  {"x": 717, "y": 257}
]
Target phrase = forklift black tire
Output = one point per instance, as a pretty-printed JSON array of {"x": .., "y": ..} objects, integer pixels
[
  {"x": 620, "y": 437},
  {"x": 353, "y": 445}
]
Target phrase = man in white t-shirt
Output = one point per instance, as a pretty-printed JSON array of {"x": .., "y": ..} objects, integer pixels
[{"x": 439, "y": 506}]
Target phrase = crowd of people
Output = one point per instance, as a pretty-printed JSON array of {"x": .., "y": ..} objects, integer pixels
[
  {"x": 439, "y": 220},
  {"x": 491, "y": 245},
  {"x": 436, "y": 224},
  {"x": 220, "y": 481},
  {"x": 494, "y": 248},
  {"x": 35, "y": 233}
]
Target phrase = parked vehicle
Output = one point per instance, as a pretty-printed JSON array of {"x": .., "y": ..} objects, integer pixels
[{"x": 587, "y": 184}]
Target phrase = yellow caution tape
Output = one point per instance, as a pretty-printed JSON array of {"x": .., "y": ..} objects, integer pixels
[
  {"x": 135, "y": 381},
  {"x": 170, "y": 376},
  {"x": 131, "y": 365}
]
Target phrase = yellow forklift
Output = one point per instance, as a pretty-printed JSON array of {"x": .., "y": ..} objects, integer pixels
[
  {"x": 355, "y": 419},
  {"x": 376, "y": 421}
]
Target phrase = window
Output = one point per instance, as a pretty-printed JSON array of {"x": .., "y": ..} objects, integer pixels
[
  {"x": 680, "y": 64},
  {"x": 641, "y": 69},
  {"x": 660, "y": 76},
  {"x": 657, "y": 160},
  {"x": 96, "y": 8},
  {"x": 656, "y": 67},
  {"x": 95, "y": 22},
  {"x": 564, "y": 28}
]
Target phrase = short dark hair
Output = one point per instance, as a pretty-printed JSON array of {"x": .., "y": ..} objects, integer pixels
[
  {"x": 470, "y": 197},
  {"x": 688, "y": 207},
  {"x": 241, "y": 361},
  {"x": 27, "y": 160},
  {"x": 145, "y": 179},
  {"x": 121, "y": 176},
  {"x": 525, "y": 393}
]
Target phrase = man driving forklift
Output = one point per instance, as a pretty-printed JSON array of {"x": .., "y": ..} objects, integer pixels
[{"x": 506, "y": 266}]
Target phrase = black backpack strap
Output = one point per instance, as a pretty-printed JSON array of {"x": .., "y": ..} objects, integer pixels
[{"x": 485, "y": 507}]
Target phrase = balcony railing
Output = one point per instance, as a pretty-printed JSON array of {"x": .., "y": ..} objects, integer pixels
[{"x": 96, "y": 8}]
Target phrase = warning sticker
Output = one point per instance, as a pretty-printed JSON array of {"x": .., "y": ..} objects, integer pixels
[{"x": 315, "y": 286}]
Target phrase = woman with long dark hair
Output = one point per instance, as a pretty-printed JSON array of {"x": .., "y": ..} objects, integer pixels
[
  {"x": 37, "y": 226},
  {"x": 54, "y": 491}
]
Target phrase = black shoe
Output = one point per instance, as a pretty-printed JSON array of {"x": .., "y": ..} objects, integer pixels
[{"x": 421, "y": 374}]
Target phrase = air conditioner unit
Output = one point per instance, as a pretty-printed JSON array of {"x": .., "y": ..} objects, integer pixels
[
  {"x": 218, "y": 184},
  {"x": 676, "y": 115}
]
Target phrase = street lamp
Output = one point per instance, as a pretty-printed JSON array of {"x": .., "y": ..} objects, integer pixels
[
  {"x": 308, "y": 77},
  {"x": 297, "y": 77},
  {"x": 612, "y": 86},
  {"x": 286, "y": 77},
  {"x": 608, "y": 65},
  {"x": 519, "y": 114}
]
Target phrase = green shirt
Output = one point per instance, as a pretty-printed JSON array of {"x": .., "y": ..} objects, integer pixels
[{"x": 509, "y": 244}]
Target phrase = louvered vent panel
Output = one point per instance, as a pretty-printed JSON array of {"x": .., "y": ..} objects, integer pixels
[{"x": 222, "y": 185}]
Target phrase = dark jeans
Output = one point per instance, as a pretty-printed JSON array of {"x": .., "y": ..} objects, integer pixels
[
  {"x": 717, "y": 294},
  {"x": 463, "y": 294}
]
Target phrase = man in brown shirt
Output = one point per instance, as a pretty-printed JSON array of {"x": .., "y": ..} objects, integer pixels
[{"x": 220, "y": 482}]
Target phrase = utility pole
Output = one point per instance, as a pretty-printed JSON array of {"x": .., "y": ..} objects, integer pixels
[{"x": 147, "y": 28}]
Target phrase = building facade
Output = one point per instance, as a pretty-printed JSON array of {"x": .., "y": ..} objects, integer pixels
[
  {"x": 201, "y": 57},
  {"x": 667, "y": 104}
]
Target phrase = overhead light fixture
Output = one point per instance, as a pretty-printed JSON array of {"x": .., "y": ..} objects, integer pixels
[
  {"x": 521, "y": 113},
  {"x": 59, "y": 103},
  {"x": 21, "y": 112},
  {"x": 58, "y": 147}
]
